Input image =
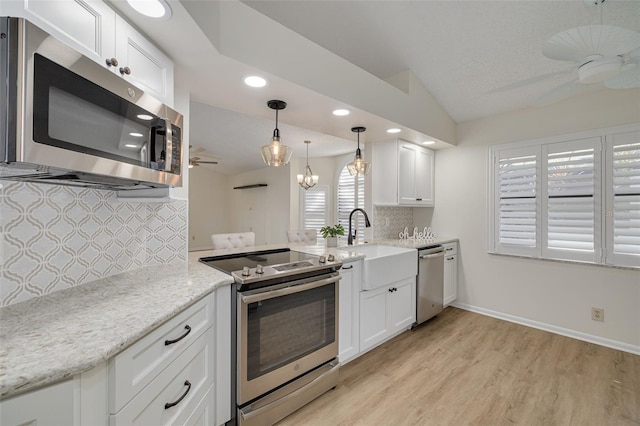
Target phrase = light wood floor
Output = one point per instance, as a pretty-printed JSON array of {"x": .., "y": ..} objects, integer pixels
[{"x": 463, "y": 368}]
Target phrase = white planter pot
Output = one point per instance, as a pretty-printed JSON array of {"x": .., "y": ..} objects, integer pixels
[{"x": 332, "y": 241}]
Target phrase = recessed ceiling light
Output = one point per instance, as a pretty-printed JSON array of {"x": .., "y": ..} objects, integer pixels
[
  {"x": 130, "y": 145},
  {"x": 136, "y": 134},
  {"x": 144, "y": 117},
  {"x": 151, "y": 8},
  {"x": 394, "y": 130},
  {"x": 428, "y": 142},
  {"x": 255, "y": 81},
  {"x": 341, "y": 112}
]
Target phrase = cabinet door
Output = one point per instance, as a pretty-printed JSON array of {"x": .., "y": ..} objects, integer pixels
[
  {"x": 349, "y": 312},
  {"x": 86, "y": 25},
  {"x": 406, "y": 174},
  {"x": 450, "y": 278},
  {"x": 373, "y": 317},
  {"x": 401, "y": 305},
  {"x": 424, "y": 177},
  {"x": 148, "y": 67},
  {"x": 51, "y": 405}
]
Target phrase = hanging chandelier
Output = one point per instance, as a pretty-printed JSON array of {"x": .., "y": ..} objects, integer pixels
[
  {"x": 275, "y": 154},
  {"x": 358, "y": 167},
  {"x": 308, "y": 180}
]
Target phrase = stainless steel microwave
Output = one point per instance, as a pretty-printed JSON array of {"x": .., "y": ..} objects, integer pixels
[{"x": 66, "y": 119}]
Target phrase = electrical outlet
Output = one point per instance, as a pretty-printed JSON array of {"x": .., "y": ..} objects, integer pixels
[{"x": 597, "y": 314}]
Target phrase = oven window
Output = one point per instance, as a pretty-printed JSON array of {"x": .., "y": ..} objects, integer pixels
[{"x": 286, "y": 328}]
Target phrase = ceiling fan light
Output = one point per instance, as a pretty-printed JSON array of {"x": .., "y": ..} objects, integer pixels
[{"x": 599, "y": 70}]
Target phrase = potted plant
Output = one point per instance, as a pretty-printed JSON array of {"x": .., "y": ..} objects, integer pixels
[{"x": 330, "y": 233}]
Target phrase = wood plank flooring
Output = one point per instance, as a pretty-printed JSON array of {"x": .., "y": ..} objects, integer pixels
[{"x": 463, "y": 368}]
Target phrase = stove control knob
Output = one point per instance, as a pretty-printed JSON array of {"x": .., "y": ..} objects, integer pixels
[
  {"x": 259, "y": 269},
  {"x": 331, "y": 258},
  {"x": 245, "y": 271},
  {"x": 322, "y": 259}
]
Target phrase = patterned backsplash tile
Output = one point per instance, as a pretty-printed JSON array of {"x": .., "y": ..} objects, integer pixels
[
  {"x": 396, "y": 217},
  {"x": 55, "y": 237}
]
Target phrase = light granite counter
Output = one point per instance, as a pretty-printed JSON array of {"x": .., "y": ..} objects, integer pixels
[
  {"x": 50, "y": 338},
  {"x": 344, "y": 252}
]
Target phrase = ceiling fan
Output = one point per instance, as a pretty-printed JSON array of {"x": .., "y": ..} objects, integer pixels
[
  {"x": 601, "y": 54},
  {"x": 196, "y": 161}
]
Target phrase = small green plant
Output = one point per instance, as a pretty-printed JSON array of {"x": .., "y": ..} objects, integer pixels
[{"x": 332, "y": 231}]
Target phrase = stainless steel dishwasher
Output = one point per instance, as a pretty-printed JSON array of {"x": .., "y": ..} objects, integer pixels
[{"x": 430, "y": 283}]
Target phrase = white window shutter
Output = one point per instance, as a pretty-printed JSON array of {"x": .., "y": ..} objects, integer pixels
[
  {"x": 350, "y": 195},
  {"x": 623, "y": 199},
  {"x": 315, "y": 207},
  {"x": 516, "y": 212},
  {"x": 572, "y": 200}
]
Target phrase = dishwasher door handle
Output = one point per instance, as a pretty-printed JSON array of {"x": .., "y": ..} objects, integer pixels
[{"x": 431, "y": 256}]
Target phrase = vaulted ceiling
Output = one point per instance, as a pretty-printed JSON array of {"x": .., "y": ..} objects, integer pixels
[{"x": 460, "y": 51}]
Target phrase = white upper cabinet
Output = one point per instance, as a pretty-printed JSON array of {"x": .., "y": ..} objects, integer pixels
[
  {"x": 95, "y": 30},
  {"x": 140, "y": 62},
  {"x": 402, "y": 174}
]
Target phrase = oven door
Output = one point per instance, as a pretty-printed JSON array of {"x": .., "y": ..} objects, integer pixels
[{"x": 285, "y": 332}]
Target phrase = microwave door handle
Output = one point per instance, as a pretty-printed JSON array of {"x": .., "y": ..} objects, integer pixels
[{"x": 168, "y": 146}]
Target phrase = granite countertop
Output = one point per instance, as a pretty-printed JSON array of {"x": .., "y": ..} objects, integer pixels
[
  {"x": 344, "y": 252},
  {"x": 56, "y": 336}
]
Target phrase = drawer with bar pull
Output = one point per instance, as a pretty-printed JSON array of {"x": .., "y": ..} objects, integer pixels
[{"x": 134, "y": 368}]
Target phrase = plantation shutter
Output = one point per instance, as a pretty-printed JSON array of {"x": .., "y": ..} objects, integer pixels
[
  {"x": 572, "y": 202},
  {"x": 315, "y": 208},
  {"x": 350, "y": 195},
  {"x": 623, "y": 201},
  {"x": 516, "y": 201}
]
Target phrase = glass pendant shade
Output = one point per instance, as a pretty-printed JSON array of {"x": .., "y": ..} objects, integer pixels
[
  {"x": 358, "y": 167},
  {"x": 275, "y": 153},
  {"x": 308, "y": 179}
]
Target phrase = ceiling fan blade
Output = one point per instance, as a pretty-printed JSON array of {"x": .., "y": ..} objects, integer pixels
[
  {"x": 629, "y": 79},
  {"x": 577, "y": 44},
  {"x": 528, "y": 81},
  {"x": 564, "y": 91},
  {"x": 207, "y": 162}
]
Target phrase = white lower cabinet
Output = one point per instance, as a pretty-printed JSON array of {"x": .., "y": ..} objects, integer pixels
[
  {"x": 178, "y": 374},
  {"x": 386, "y": 311},
  {"x": 52, "y": 405},
  {"x": 172, "y": 397},
  {"x": 450, "y": 273},
  {"x": 349, "y": 311}
]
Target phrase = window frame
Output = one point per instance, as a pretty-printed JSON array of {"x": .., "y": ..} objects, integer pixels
[{"x": 602, "y": 141}]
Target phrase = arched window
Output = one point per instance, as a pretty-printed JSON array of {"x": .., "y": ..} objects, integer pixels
[{"x": 350, "y": 195}]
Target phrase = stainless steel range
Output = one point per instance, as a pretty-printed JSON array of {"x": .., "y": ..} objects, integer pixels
[{"x": 285, "y": 316}]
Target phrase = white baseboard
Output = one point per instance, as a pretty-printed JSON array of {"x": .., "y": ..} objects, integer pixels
[{"x": 614, "y": 344}]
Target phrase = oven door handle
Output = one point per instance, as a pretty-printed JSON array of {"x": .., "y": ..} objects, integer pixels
[{"x": 270, "y": 294}]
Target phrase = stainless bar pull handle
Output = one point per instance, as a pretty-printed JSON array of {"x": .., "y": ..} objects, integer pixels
[
  {"x": 431, "y": 256},
  {"x": 287, "y": 290},
  {"x": 168, "y": 146}
]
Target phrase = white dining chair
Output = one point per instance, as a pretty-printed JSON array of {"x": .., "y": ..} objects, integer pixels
[
  {"x": 302, "y": 235},
  {"x": 233, "y": 240}
]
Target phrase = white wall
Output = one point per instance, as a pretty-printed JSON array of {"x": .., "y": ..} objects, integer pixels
[
  {"x": 209, "y": 193},
  {"x": 264, "y": 210},
  {"x": 543, "y": 293}
]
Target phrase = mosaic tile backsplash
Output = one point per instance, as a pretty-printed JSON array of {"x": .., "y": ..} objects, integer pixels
[
  {"x": 399, "y": 217},
  {"x": 55, "y": 237}
]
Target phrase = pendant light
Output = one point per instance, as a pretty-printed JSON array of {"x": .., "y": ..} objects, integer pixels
[
  {"x": 308, "y": 180},
  {"x": 358, "y": 167},
  {"x": 275, "y": 154}
]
